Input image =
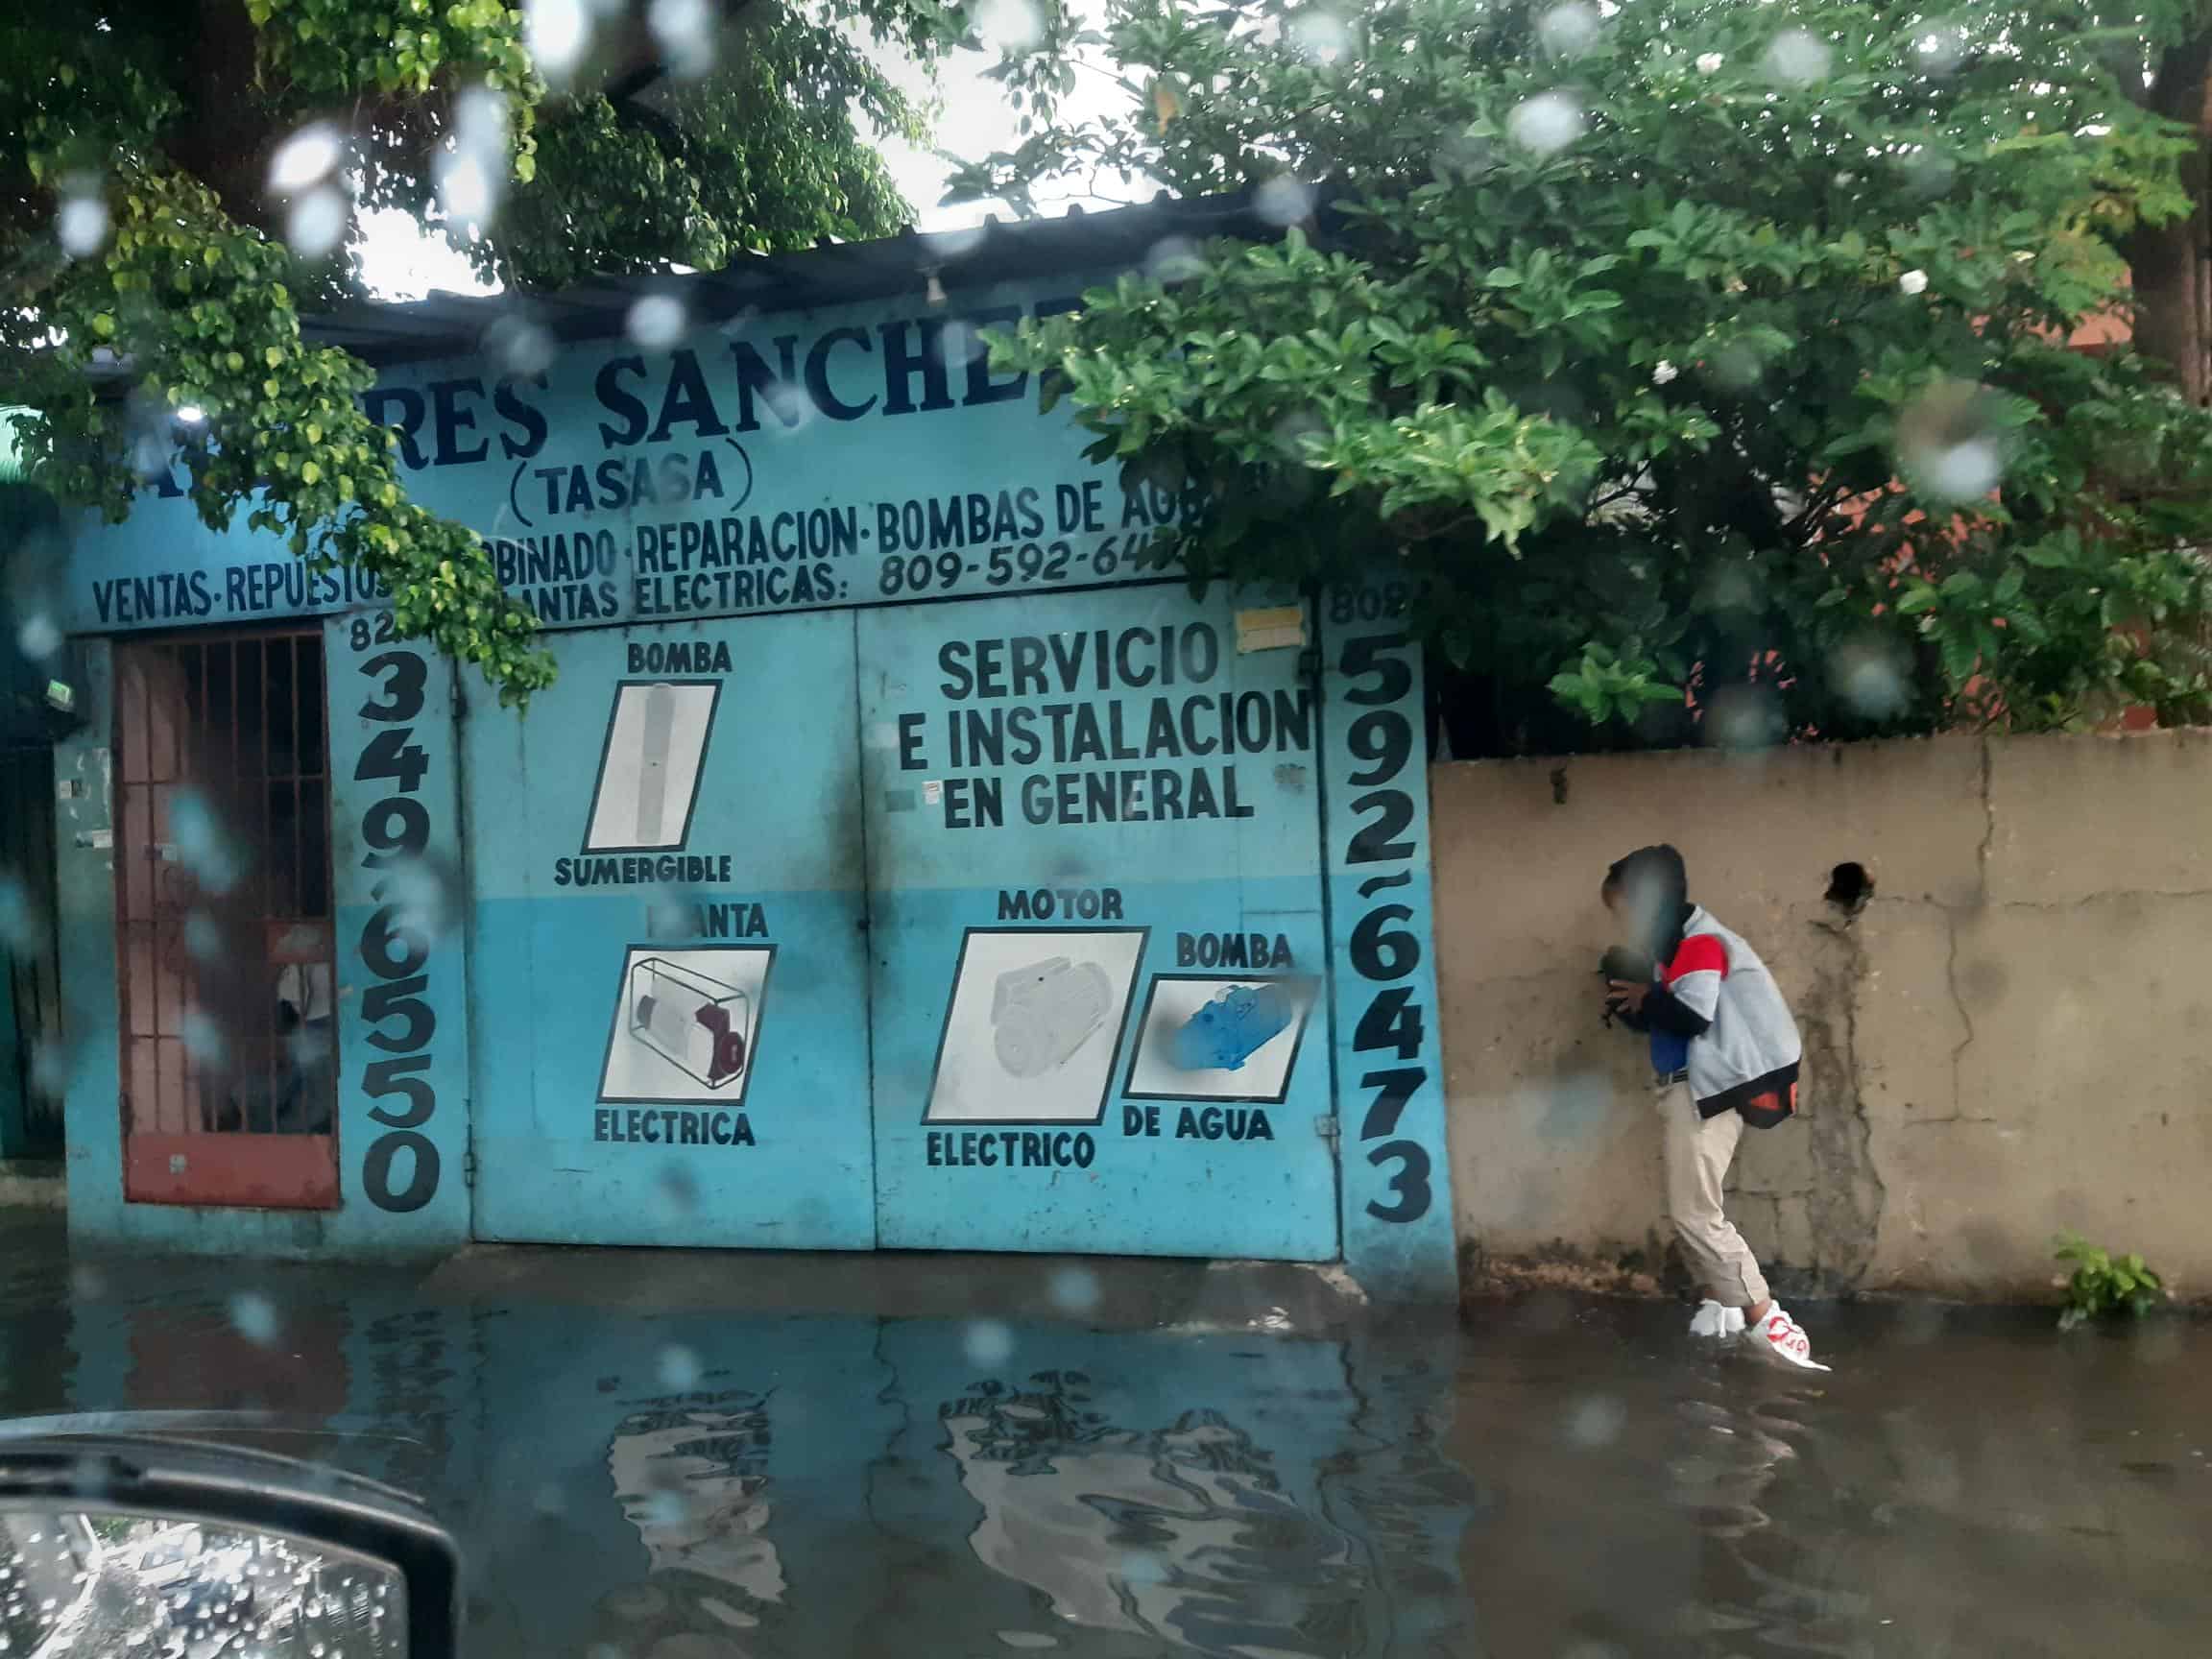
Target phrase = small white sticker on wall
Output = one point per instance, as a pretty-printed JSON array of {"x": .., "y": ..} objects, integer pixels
[{"x": 932, "y": 791}]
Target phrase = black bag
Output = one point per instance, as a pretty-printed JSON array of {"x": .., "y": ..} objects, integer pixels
[{"x": 1772, "y": 1105}]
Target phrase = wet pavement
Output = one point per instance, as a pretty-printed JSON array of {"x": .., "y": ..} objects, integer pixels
[{"x": 686, "y": 1455}]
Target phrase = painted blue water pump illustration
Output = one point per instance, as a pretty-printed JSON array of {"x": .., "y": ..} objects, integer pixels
[{"x": 1233, "y": 1027}]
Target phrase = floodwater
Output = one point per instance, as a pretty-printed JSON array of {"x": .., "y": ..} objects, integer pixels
[{"x": 688, "y": 1455}]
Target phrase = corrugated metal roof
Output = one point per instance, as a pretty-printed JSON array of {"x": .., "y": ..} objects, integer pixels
[{"x": 829, "y": 274}]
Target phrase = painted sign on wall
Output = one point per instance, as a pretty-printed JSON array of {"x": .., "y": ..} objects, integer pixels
[
  {"x": 808, "y": 910},
  {"x": 855, "y": 456}
]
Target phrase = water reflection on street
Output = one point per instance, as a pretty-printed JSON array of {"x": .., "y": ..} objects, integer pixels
[{"x": 641, "y": 1468}]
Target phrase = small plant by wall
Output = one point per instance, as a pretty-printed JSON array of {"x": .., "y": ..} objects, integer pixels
[{"x": 2104, "y": 1285}]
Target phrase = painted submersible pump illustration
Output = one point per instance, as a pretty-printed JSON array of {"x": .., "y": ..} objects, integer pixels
[
  {"x": 1042, "y": 1014},
  {"x": 1233, "y": 1027},
  {"x": 653, "y": 764},
  {"x": 702, "y": 1025}
]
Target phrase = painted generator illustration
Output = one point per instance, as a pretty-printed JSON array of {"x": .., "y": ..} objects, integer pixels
[
  {"x": 1042, "y": 1014},
  {"x": 701, "y": 1025},
  {"x": 1239, "y": 1022}
]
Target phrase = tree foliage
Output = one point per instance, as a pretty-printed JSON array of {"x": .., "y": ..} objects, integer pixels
[
  {"x": 149, "y": 263},
  {"x": 1698, "y": 360}
]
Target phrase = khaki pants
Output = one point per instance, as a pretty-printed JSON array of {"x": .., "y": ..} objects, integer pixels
[{"x": 1696, "y": 1151}]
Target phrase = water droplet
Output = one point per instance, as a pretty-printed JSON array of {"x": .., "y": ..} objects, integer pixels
[
  {"x": 202, "y": 843},
  {"x": 1744, "y": 717},
  {"x": 1709, "y": 62},
  {"x": 1595, "y": 1420},
  {"x": 191, "y": 413},
  {"x": 679, "y": 1369},
  {"x": 557, "y": 31},
  {"x": 988, "y": 1343},
  {"x": 1321, "y": 36},
  {"x": 1547, "y": 123},
  {"x": 1284, "y": 199},
  {"x": 1913, "y": 282},
  {"x": 254, "y": 1316},
  {"x": 202, "y": 1041},
  {"x": 1568, "y": 31},
  {"x": 19, "y": 916},
  {"x": 1008, "y": 27},
  {"x": 1941, "y": 49},
  {"x": 519, "y": 346},
  {"x": 305, "y": 158},
  {"x": 679, "y": 1188},
  {"x": 474, "y": 173},
  {"x": 1173, "y": 260},
  {"x": 656, "y": 321},
  {"x": 38, "y": 639},
  {"x": 1074, "y": 1290},
  {"x": 315, "y": 223},
  {"x": 1663, "y": 371},
  {"x": 1869, "y": 675},
  {"x": 81, "y": 223},
  {"x": 684, "y": 30},
  {"x": 1798, "y": 57}
]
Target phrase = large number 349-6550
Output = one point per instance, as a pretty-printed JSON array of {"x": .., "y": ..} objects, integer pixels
[
  {"x": 395, "y": 832},
  {"x": 1381, "y": 739}
]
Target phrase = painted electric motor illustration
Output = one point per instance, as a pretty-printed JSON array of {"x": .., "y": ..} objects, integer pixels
[
  {"x": 702, "y": 1025},
  {"x": 1042, "y": 1014},
  {"x": 1239, "y": 1022}
]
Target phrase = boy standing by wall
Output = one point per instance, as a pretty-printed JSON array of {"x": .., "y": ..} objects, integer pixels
[{"x": 1725, "y": 1053}]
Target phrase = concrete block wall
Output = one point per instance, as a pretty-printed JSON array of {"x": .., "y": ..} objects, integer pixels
[{"x": 2013, "y": 1036}]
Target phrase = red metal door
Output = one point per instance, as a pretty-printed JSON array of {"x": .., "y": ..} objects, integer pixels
[{"x": 223, "y": 939}]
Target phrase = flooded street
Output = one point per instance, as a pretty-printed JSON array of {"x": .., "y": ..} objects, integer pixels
[{"x": 687, "y": 1456}]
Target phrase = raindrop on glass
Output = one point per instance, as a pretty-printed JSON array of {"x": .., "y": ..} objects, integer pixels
[
  {"x": 678, "y": 1369},
  {"x": 1284, "y": 199},
  {"x": 1798, "y": 57},
  {"x": 1709, "y": 62},
  {"x": 471, "y": 174},
  {"x": 81, "y": 223},
  {"x": 684, "y": 31},
  {"x": 1008, "y": 27},
  {"x": 1744, "y": 717},
  {"x": 656, "y": 321},
  {"x": 254, "y": 1316},
  {"x": 38, "y": 639},
  {"x": 557, "y": 31},
  {"x": 201, "y": 844},
  {"x": 1568, "y": 31},
  {"x": 1321, "y": 36},
  {"x": 1913, "y": 282},
  {"x": 18, "y": 917},
  {"x": 305, "y": 158},
  {"x": 1869, "y": 678},
  {"x": 315, "y": 223},
  {"x": 202, "y": 938},
  {"x": 679, "y": 1189},
  {"x": 1941, "y": 49},
  {"x": 519, "y": 347},
  {"x": 1595, "y": 1420},
  {"x": 202, "y": 1042},
  {"x": 1173, "y": 260},
  {"x": 1547, "y": 123},
  {"x": 1074, "y": 1290},
  {"x": 987, "y": 1343}
]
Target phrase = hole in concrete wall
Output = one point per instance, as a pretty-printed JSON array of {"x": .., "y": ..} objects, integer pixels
[{"x": 1849, "y": 887}]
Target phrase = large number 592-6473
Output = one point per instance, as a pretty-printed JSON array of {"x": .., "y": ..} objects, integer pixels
[{"x": 1381, "y": 740}]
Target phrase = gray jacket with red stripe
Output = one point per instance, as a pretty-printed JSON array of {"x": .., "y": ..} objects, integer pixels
[{"x": 1744, "y": 1045}]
